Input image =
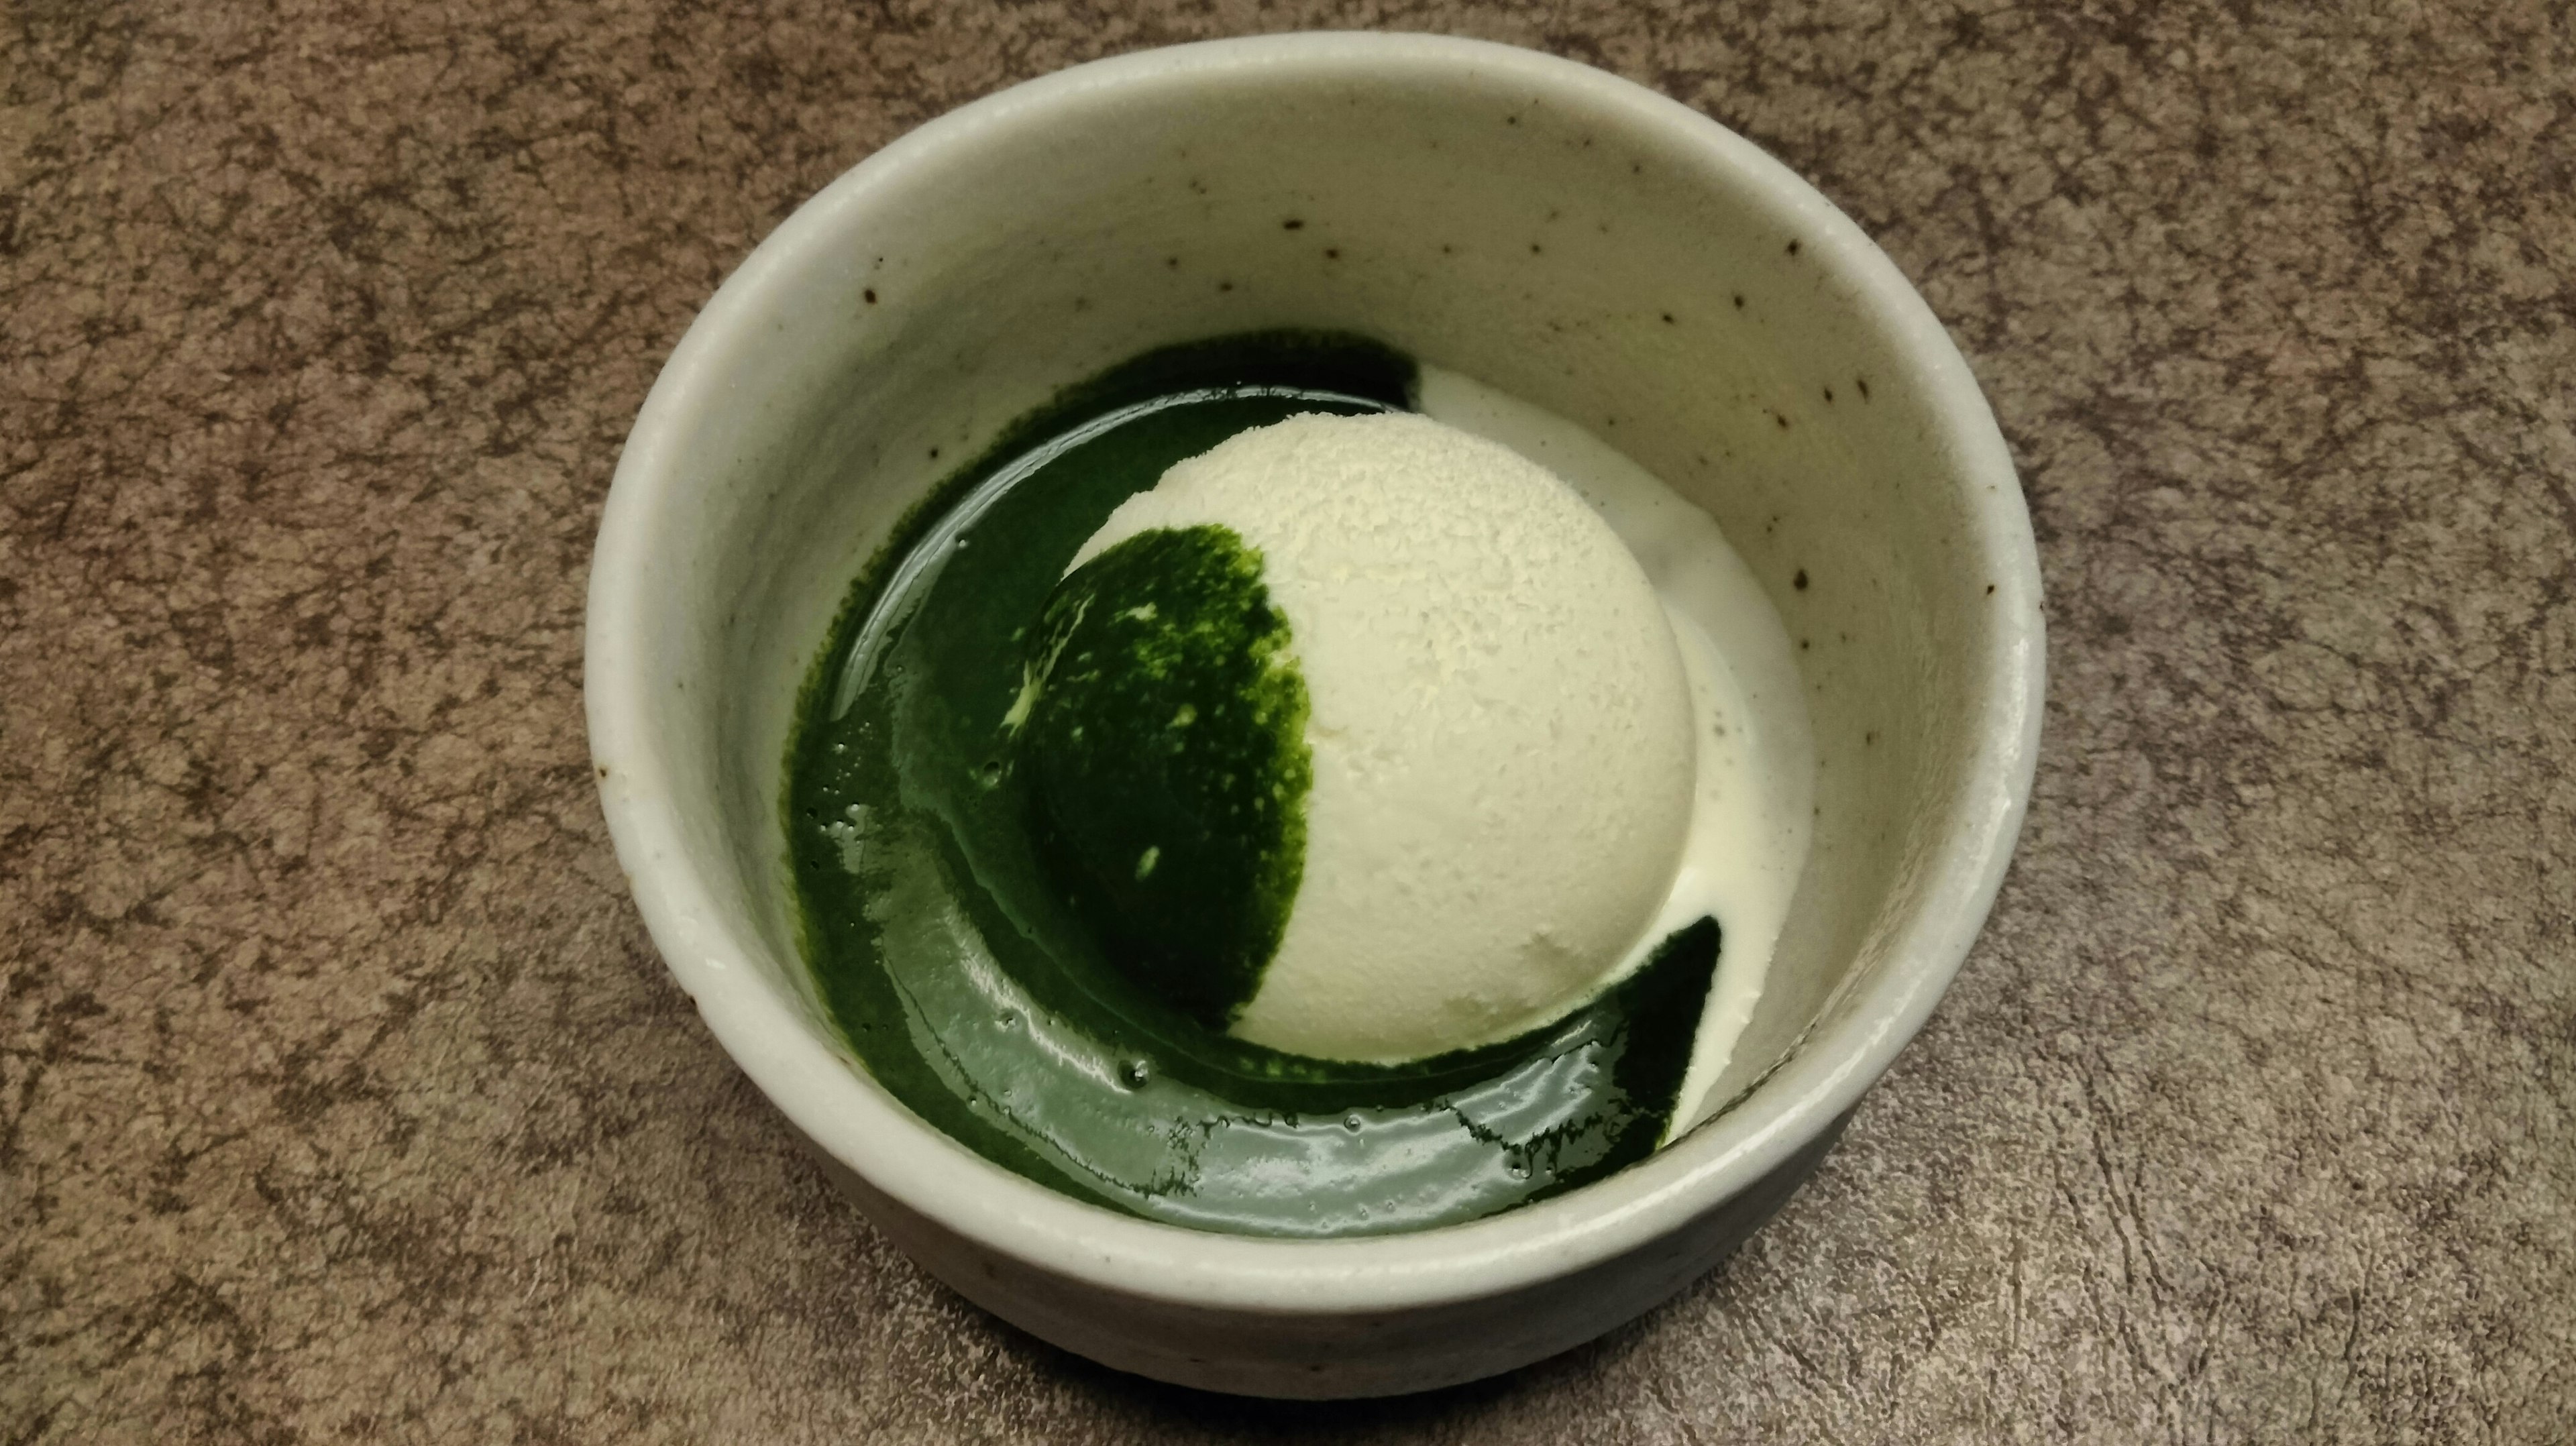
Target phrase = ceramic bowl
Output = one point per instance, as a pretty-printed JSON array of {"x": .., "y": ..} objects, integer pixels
[{"x": 1551, "y": 230}]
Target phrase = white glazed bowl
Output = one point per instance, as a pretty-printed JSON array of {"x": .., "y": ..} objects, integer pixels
[{"x": 1544, "y": 227}]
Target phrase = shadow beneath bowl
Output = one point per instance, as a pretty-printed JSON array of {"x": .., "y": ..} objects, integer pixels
[{"x": 1160, "y": 1411}]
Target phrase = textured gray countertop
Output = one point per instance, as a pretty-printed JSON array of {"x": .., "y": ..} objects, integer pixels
[{"x": 342, "y": 1097}]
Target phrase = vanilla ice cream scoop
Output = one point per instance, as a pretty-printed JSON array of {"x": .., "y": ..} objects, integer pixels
[{"x": 1360, "y": 737}]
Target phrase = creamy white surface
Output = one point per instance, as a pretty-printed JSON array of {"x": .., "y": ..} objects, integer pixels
[
  {"x": 1754, "y": 800},
  {"x": 1502, "y": 723}
]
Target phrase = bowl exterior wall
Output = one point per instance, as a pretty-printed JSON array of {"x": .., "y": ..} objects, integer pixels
[{"x": 1339, "y": 1355}]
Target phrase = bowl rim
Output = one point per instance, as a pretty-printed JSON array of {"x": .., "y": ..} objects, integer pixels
[{"x": 893, "y": 1151}]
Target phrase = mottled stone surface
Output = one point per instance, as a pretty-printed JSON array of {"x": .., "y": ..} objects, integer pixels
[{"x": 341, "y": 1097}]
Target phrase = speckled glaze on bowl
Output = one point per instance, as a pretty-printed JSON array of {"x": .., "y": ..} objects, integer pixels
[{"x": 1546, "y": 228}]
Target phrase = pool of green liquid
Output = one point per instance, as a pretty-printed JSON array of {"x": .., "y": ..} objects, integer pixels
[{"x": 979, "y": 995}]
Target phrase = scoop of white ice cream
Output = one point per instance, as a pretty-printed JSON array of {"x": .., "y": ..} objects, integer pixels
[{"x": 1498, "y": 719}]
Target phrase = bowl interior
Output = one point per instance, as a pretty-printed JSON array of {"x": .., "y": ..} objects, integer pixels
[{"x": 1547, "y": 230}]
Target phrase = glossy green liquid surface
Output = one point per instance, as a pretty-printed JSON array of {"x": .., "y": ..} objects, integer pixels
[{"x": 990, "y": 1001}]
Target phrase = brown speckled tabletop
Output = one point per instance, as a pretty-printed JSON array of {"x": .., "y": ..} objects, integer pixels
[{"x": 343, "y": 1099}]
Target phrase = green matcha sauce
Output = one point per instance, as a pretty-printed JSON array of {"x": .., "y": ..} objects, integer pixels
[
  {"x": 1162, "y": 727},
  {"x": 974, "y": 743}
]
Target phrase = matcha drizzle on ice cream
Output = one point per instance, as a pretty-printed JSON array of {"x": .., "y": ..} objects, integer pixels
[{"x": 1161, "y": 722}]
